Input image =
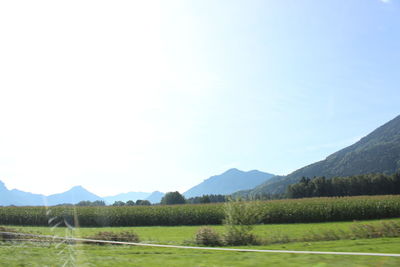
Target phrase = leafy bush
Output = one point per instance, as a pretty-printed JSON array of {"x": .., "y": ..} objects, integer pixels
[
  {"x": 240, "y": 216},
  {"x": 208, "y": 237},
  {"x": 240, "y": 236},
  {"x": 113, "y": 236},
  {"x": 384, "y": 229},
  {"x": 357, "y": 231},
  {"x": 7, "y": 237}
]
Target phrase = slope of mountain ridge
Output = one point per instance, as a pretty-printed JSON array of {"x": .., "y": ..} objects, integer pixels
[
  {"x": 378, "y": 152},
  {"x": 228, "y": 182}
]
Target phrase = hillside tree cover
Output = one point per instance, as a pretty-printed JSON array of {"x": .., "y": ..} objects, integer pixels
[
  {"x": 207, "y": 199},
  {"x": 91, "y": 203},
  {"x": 368, "y": 184},
  {"x": 138, "y": 202}
]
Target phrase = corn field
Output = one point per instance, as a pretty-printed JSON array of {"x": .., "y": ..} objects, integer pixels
[{"x": 273, "y": 211}]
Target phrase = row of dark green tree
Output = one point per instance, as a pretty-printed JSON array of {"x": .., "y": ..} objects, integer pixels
[
  {"x": 97, "y": 203},
  {"x": 367, "y": 184},
  {"x": 172, "y": 198},
  {"x": 138, "y": 202},
  {"x": 207, "y": 199}
]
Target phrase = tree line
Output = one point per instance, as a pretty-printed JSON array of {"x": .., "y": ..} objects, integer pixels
[
  {"x": 172, "y": 198},
  {"x": 366, "y": 184},
  {"x": 97, "y": 203}
]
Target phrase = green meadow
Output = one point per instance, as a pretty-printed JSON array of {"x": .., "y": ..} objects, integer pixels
[
  {"x": 286, "y": 236},
  {"x": 179, "y": 235},
  {"x": 37, "y": 254}
]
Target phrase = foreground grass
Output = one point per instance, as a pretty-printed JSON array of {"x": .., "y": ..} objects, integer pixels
[
  {"x": 36, "y": 254},
  {"x": 178, "y": 235}
]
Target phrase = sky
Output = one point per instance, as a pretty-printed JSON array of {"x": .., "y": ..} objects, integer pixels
[{"x": 122, "y": 96}]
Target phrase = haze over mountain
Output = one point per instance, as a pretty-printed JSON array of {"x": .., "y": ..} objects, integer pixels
[
  {"x": 378, "y": 152},
  {"x": 72, "y": 196},
  {"x": 225, "y": 183},
  {"x": 228, "y": 183},
  {"x": 21, "y": 198}
]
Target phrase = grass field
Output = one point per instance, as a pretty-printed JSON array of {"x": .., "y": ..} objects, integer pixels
[
  {"x": 179, "y": 235},
  {"x": 27, "y": 254},
  {"x": 38, "y": 254}
]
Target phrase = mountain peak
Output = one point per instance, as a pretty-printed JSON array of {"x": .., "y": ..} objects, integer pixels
[
  {"x": 77, "y": 187},
  {"x": 228, "y": 182},
  {"x": 233, "y": 170},
  {"x": 2, "y": 186}
]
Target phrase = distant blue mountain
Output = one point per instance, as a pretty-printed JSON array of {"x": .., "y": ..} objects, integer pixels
[
  {"x": 72, "y": 196},
  {"x": 27, "y": 198},
  {"x": 155, "y": 197},
  {"x": 127, "y": 196},
  {"x": 229, "y": 182},
  {"x": 21, "y": 198}
]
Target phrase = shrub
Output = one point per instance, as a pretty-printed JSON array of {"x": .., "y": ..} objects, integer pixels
[
  {"x": 208, "y": 237},
  {"x": 7, "y": 237},
  {"x": 240, "y": 236},
  {"x": 384, "y": 229},
  {"x": 390, "y": 229},
  {"x": 240, "y": 216},
  {"x": 112, "y": 236}
]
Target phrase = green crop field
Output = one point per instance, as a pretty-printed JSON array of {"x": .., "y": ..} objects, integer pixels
[{"x": 276, "y": 211}]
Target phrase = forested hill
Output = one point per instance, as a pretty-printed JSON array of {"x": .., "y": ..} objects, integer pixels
[{"x": 378, "y": 152}]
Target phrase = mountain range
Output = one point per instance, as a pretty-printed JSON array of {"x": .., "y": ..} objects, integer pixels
[
  {"x": 72, "y": 196},
  {"x": 228, "y": 182},
  {"x": 225, "y": 183},
  {"x": 378, "y": 152},
  {"x": 17, "y": 197}
]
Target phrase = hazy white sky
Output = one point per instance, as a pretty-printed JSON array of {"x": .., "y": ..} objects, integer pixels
[{"x": 121, "y": 96}]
